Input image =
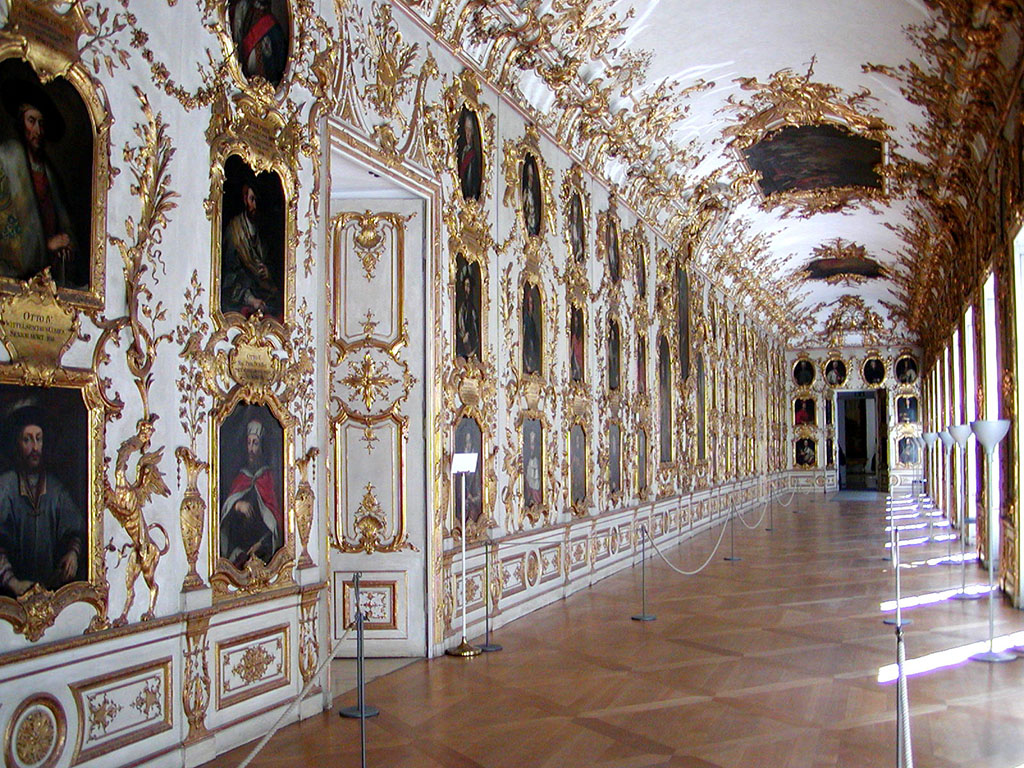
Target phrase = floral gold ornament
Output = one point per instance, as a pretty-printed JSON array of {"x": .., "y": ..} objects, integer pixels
[
  {"x": 36, "y": 733},
  {"x": 195, "y": 686}
]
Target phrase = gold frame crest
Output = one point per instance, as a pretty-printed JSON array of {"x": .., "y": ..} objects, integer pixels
[
  {"x": 38, "y": 608},
  {"x": 48, "y": 42}
]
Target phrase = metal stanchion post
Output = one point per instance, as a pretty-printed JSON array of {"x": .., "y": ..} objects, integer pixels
[
  {"x": 643, "y": 615},
  {"x": 362, "y": 710},
  {"x": 771, "y": 511},
  {"x": 464, "y": 649},
  {"x": 894, "y": 540},
  {"x": 488, "y": 646},
  {"x": 904, "y": 752}
]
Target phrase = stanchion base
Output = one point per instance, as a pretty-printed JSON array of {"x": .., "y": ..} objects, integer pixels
[
  {"x": 892, "y": 622},
  {"x": 464, "y": 649},
  {"x": 732, "y": 559},
  {"x": 644, "y": 617},
  {"x": 353, "y": 712},
  {"x": 994, "y": 656},
  {"x": 969, "y": 595},
  {"x": 769, "y": 529},
  {"x": 490, "y": 647}
]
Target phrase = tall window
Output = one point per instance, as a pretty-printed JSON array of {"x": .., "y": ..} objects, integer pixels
[
  {"x": 970, "y": 414},
  {"x": 992, "y": 382}
]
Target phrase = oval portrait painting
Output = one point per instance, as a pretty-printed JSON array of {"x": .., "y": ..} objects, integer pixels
[{"x": 259, "y": 31}]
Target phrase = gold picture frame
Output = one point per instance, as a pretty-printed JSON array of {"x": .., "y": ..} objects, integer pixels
[
  {"x": 37, "y": 42},
  {"x": 38, "y": 608}
]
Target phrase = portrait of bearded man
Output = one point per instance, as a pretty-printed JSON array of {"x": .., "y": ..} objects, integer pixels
[
  {"x": 45, "y": 178},
  {"x": 42, "y": 528},
  {"x": 251, "y": 511}
]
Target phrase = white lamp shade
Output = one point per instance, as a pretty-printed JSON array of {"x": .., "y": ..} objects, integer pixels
[
  {"x": 961, "y": 433},
  {"x": 990, "y": 431},
  {"x": 947, "y": 439},
  {"x": 930, "y": 438},
  {"x": 918, "y": 441}
]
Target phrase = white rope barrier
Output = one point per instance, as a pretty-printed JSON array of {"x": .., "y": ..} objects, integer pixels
[
  {"x": 764, "y": 511},
  {"x": 302, "y": 694},
  {"x": 792, "y": 494},
  {"x": 680, "y": 571}
]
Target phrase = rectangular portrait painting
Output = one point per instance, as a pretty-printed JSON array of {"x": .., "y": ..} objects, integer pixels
[
  {"x": 469, "y": 439},
  {"x": 533, "y": 463},
  {"x": 252, "y": 242},
  {"x": 683, "y": 320},
  {"x": 47, "y": 150},
  {"x": 44, "y": 488},
  {"x": 578, "y": 464},
  {"x": 252, "y": 513}
]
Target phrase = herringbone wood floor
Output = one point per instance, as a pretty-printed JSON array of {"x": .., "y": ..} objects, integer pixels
[{"x": 771, "y": 661}]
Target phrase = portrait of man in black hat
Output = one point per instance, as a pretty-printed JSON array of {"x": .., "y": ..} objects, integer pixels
[
  {"x": 42, "y": 223},
  {"x": 42, "y": 528}
]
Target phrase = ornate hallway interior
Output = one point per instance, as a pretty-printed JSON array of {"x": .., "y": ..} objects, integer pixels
[{"x": 772, "y": 662}]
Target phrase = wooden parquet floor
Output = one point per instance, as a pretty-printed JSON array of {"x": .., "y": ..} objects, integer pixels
[{"x": 768, "y": 662}]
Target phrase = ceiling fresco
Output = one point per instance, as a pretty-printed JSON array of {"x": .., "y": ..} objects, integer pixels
[
  {"x": 761, "y": 131},
  {"x": 809, "y": 157}
]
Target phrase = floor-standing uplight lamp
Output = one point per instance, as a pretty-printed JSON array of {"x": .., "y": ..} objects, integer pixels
[
  {"x": 961, "y": 433},
  {"x": 947, "y": 443},
  {"x": 989, "y": 432},
  {"x": 463, "y": 464}
]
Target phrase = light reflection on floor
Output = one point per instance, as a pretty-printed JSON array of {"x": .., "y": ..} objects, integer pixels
[{"x": 949, "y": 658}]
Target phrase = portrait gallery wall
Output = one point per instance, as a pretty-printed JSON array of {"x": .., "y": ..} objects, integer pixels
[{"x": 255, "y": 293}]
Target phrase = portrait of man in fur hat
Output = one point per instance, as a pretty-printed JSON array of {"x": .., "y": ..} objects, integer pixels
[{"x": 42, "y": 529}]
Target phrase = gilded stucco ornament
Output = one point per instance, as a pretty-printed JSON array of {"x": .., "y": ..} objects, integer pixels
[
  {"x": 136, "y": 481},
  {"x": 192, "y": 413}
]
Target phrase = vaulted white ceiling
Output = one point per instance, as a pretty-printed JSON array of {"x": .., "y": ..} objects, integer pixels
[{"x": 724, "y": 43}]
